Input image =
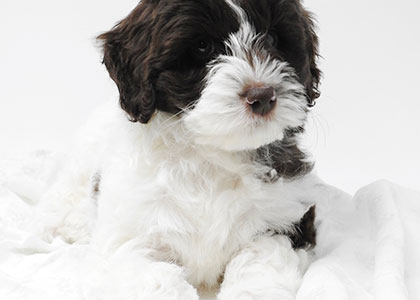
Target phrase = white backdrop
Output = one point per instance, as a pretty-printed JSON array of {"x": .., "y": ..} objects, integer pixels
[{"x": 366, "y": 125}]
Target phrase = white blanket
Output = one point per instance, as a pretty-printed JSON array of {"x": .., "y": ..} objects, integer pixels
[{"x": 368, "y": 245}]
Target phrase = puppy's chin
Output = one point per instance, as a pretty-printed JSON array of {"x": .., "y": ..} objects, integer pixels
[
  {"x": 211, "y": 133},
  {"x": 238, "y": 142},
  {"x": 233, "y": 128}
]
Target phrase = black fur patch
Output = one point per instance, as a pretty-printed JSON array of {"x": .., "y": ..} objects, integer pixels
[
  {"x": 304, "y": 235},
  {"x": 293, "y": 29},
  {"x": 152, "y": 54},
  {"x": 285, "y": 157}
]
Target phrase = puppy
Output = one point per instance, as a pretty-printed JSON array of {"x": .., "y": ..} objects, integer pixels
[{"x": 196, "y": 183}]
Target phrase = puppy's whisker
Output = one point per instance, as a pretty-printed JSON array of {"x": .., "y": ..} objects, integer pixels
[{"x": 170, "y": 121}]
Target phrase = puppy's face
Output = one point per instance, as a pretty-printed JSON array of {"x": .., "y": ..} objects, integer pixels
[{"x": 238, "y": 73}]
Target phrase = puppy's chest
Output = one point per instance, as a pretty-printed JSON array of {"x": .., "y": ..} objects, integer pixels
[
  {"x": 198, "y": 213},
  {"x": 206, "y": 243},
  {"x": 209, "y": 221},
  {"x": 209, "y": 209}
]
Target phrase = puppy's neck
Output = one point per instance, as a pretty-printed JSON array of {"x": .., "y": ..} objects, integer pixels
[{"x": 167, "y": 137}]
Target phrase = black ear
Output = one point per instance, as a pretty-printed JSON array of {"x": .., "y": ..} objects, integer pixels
[
  {"x": 313, "y": 74},
  {"x": 126, "y": 48}
]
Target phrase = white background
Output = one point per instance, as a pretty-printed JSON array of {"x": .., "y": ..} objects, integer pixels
[{"x": 366, "y": 125}]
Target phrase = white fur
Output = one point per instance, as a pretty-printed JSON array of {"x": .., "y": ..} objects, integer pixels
[
  {"x": 165, "y": 199},
  {"x": 222, "y": 119},
  {"x": 268, "y": 268},
  {"x": 181, "y": 198}
]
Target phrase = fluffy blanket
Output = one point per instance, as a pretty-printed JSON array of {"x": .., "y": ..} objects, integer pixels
[{"x": 368, "y": 245}]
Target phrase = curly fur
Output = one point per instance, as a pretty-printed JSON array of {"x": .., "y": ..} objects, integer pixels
[{"x": 188, "y": 195}]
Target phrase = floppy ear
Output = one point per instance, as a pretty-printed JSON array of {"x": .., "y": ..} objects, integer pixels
[
  {"x": 313, "y": 74},
  {"x": 126, "y": 49}
]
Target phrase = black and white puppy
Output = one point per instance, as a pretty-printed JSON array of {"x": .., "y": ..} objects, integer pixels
[{"x": 190, "y": 194}]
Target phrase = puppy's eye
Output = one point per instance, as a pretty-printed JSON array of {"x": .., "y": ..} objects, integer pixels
[
  {"x": 204, "y": 49},
  {"x": 271, "y": 40}
]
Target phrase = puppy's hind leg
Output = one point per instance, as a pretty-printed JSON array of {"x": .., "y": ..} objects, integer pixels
[{"x": 68, "y": 208}]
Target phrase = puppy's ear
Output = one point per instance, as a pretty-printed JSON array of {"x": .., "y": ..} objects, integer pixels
[
  {"x": 312, "y": 74},
  {"x": 126, "y": 51}
]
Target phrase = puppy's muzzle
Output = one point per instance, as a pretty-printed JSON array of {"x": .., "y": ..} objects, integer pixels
[{"x": 261, "y": 100}]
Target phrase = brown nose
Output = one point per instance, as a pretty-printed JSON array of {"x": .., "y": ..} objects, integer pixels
[{"x": 261, "y": 99}]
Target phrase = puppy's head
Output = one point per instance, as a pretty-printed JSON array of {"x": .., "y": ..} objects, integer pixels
[{"x": 239, "y": 73}]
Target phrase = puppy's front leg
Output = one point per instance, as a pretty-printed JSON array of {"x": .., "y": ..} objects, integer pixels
[{"x": 267, "y": 269}]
